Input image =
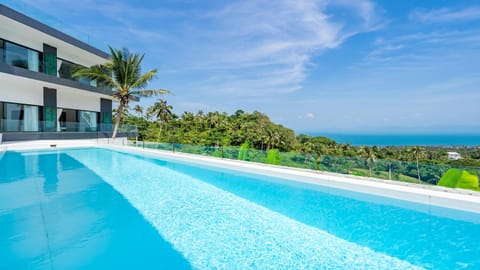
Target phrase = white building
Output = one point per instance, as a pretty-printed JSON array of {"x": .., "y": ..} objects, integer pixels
[
  {"x": 454, "y": 156},
  {"x": 39, "y": 99}
]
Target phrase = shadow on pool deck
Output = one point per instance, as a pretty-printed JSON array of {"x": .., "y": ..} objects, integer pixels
[{"x": 60, "y": 215}]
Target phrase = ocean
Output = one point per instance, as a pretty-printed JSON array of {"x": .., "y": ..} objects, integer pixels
[{"x": 403, "y": 139}]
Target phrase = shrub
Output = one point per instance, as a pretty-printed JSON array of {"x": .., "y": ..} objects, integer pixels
[
  {"x": 243, "y": 153},
  {"x": 273, "y": 157}
]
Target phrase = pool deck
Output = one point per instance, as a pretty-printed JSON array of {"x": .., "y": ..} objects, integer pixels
[{"x": 458, "y": 199}]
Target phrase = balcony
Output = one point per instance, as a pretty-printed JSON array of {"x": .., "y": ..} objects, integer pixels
[
  {"x": 22, "y": 61},
  {"x": 21, "y": 130}
]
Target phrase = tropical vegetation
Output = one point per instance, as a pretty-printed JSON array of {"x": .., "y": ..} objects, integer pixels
[
  {"x": 254, "y": 137},
  {"x": 123, "y": 73}
]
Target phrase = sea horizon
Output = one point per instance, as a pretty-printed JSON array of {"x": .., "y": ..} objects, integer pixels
[{"x": 401, "y": 139}]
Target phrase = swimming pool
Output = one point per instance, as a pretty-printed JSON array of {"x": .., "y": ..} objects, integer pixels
[{"x": 95, "y": 208}]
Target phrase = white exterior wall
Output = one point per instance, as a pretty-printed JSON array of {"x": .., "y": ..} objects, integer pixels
[
  {"x": 20, "y": 90},
  {"x": 69, "y": 99}
]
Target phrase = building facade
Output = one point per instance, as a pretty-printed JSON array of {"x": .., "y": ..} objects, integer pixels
[{"x": 39, "y": 98}]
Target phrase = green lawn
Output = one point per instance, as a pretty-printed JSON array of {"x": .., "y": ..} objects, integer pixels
[{"x": 458, "y": 178}]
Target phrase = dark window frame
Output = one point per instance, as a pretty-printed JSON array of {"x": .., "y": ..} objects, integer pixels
[
  {"x": 3, "y": 116},
  {"x": 4, "y": 56}
]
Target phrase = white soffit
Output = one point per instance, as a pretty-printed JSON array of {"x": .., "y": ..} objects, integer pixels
[{"x": 32, "y": 38}]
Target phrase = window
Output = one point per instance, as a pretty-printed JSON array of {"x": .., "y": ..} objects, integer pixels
[
  {"x": 85, "y": 80},
  {"x": 87, "y": 121},
  {"x": 13, "y": 116},
  {"x": 19, "y": 56},
  {"x": 67, "y": 120},
  {"x": 65, "y": 69},
  {"x": 19, "y": 117},
  {"x": 30, "y": 118}
]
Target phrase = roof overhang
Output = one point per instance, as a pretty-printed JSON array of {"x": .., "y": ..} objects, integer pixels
[{"x": 13, "y": 21}]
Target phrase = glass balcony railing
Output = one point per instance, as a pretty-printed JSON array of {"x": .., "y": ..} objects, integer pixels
[
  {"x": 52, "y": 126},
  {"x": 402, "y": 171},
  {"x": 19, "y": 56}
]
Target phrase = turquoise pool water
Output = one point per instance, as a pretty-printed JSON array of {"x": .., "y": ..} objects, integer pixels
[{"x": 101, "y": 209}]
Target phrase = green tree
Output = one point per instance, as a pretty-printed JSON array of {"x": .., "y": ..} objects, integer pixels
[
  {"x": 125, "y": 113},
  {"x": 369, "y": 154},
  {"x": 123, "y": 73},
  {"x": 138, "y": 109},
  {"x": 417, "y": 152},
  {"x": 163, "y": 112}
]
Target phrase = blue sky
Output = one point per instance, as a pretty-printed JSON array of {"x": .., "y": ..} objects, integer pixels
[{"x": 327, "y": 66}]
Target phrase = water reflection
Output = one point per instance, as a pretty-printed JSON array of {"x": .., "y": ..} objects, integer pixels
[{"x": 55, "y": 213}]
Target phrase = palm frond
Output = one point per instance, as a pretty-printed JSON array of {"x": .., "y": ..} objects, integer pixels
[
  {"x": 97, "y": 72},
  {"x": 144, "y": 79},
  {"x": 149, "y": 93}
]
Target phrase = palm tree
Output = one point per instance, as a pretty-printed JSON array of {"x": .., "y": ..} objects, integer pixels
[
  {"x": 122, "y": 72},
  {"x": 125, "y": 113},
  {"x": 213, "y": 119},
  {"x": 163, "y": 112},
  {"x": 369, "y": 154},
  {"x": 417, "y": 151},
  {"x": 138, "y": 109}
]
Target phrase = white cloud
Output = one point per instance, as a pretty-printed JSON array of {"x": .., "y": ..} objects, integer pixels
[
  {"x": 422, "y": 51},
  {"x": 446, "y": 14},
  {"x": 247, "y": 48},
  {"x": 262, "y": 47},
  {"x": 310, "y": 115}
]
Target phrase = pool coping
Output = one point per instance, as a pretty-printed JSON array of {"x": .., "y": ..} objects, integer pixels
[{"x": 458, "y": 199}]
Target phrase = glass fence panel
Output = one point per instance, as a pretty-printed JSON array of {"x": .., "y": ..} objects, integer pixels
[
  {"x": 30, "y": 123},
  {"x": 383, "y": 169},
  {"x": 230, "y": 152},
  {"x": 405, "y": 171}
]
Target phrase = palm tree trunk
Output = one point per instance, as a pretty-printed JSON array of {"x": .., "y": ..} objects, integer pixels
[
  {"x": 389, "y": 171},
  {"x": 118, "y": 119},
  {"x": 160, "y": 132},
  {"x": 418, "y": 171}
]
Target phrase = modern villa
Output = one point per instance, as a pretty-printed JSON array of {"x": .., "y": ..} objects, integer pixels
[
  {"x": 39, "y": 98},
  {"x": 69, "y": 200}
]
